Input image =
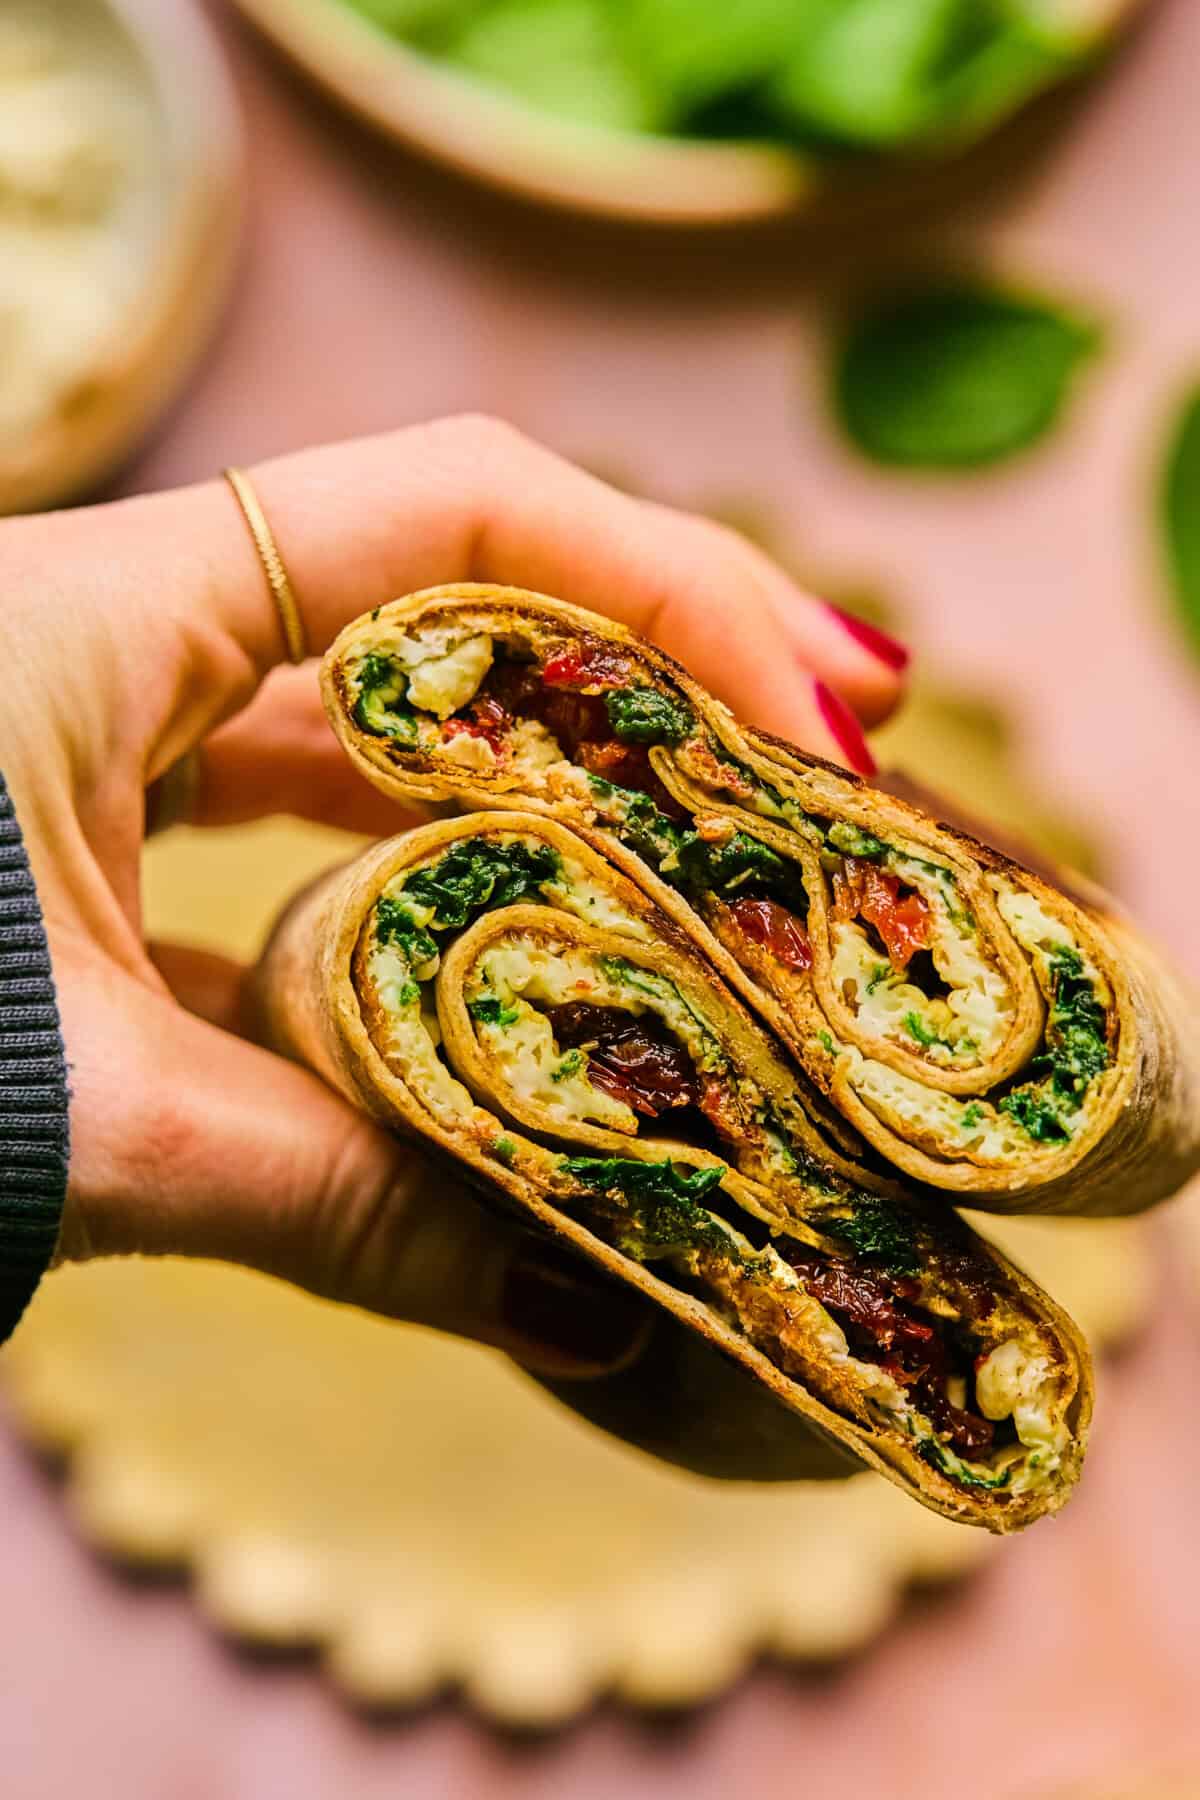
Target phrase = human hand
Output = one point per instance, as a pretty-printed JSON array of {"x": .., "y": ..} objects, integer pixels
[{"x": 137, "y": 633}]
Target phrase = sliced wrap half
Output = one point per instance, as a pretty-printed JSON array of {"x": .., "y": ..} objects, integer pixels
[
  {"x": 495, "y": 987},
  {"x": 963, "y": 1021}
]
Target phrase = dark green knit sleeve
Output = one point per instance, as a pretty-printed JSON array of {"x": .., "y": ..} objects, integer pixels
[{"x": 34, "y": 1129}]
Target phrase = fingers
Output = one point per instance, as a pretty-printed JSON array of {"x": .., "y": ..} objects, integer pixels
[
  {"x": 471, "y": 499},
  {"x": 278, "y": 755},
  {"x": 189, "y": 1141},
  {"x": 360, "y": 523},
  {"x": 210, "y": 986}
]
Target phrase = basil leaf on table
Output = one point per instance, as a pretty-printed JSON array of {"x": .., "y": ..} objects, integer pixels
[
  {"x": 1181, "y": 514},
  {"x": 957, "y": 377}
]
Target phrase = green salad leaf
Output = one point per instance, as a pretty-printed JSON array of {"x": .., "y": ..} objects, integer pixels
[
  {"x": 835, "y": 76},
  {"x": 865, "y": 71},
  {"x": 878, "y": 74},
  {"x": 696, "y": 51},
  {"x": 563, "y": 56},
  {"x": 957, "y": 376},
  {"x": 414, "y": 20},
  {"x": 1180, "y": 504}
]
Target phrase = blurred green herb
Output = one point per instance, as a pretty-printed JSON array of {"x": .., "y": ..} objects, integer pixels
[
  {"x": 957, "y": 376},
  {"x": 834, "y": 76},
  {"x": 415, "y": 20},
  {"x": 1181, "y": 514},
  {"x": 563, "y": 56},
  {"x": 698, "y": 53},
  {"x": 881, "y": 73}
]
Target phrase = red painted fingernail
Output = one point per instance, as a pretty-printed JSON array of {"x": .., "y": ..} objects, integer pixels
[
  {"x": 845, "y": 728},
  {"x": 877, "y": 643}
]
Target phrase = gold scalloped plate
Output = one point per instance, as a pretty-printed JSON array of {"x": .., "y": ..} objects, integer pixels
[
  {"x": 427, "y": 1517},
  {"x": 482, "y": 133},
  {"x": 190, "y": 214}
]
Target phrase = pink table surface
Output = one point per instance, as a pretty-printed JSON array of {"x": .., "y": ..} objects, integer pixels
[{"x": 374, "y": 292}]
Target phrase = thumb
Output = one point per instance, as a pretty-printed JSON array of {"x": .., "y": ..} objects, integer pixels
[{"x": 190, "y": 1141}]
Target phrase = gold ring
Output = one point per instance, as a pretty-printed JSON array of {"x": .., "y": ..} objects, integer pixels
[{"x": 272, "y": 562}]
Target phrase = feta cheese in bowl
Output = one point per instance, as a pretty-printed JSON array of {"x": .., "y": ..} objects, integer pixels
[{"x": 119, "y": 177}]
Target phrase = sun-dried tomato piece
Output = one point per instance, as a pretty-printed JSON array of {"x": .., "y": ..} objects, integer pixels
[
  {"x": 485, "y": 718},
  {"x": 578, "y": 722},
  {"x": 574, "y": 719},
  {"x": 570, "y": 717},
  {"x": 514, "y": 685},
  {"x": 563, "y": 670},
  {"x": 873, "y": 1309},
  {"x": 863, "y": 890},
  {"x": 767, "y": 923},
  {"x": 590, "y": 662},
  {"x": 717, "y": 1104},
  {"x": 863, "y": 1297},
  {"x": 633, "y": 1058}
]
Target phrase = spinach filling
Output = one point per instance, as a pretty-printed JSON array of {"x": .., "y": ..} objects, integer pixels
[
  {"x": 942, "y": 1458},
  {"x": 642, "y": 825},
  {"x": 738, "y": 868},
  {"x": 641, "y": 715},
  {"x": 665, "y": 1213},
  {"x": 668, "y": 1212},
  {"x": 879, "y": 1233},
  {"x": 381, "y": 705},
  {"x": 658, "y": 1210},
  {"x": 1076, "y": 1051},
  {"x": 474, "y": 877},
  {"x": 922, "y": 1034}
]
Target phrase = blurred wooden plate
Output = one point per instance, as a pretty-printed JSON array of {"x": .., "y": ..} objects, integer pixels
[
  {"x": 483, "y": 133},
  {"x": 144, "y": 362}
]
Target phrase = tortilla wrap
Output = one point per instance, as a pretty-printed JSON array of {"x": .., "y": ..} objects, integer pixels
[
  {"x": 494, "y": 987},
  {"x": 964, "y": 1021}
]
